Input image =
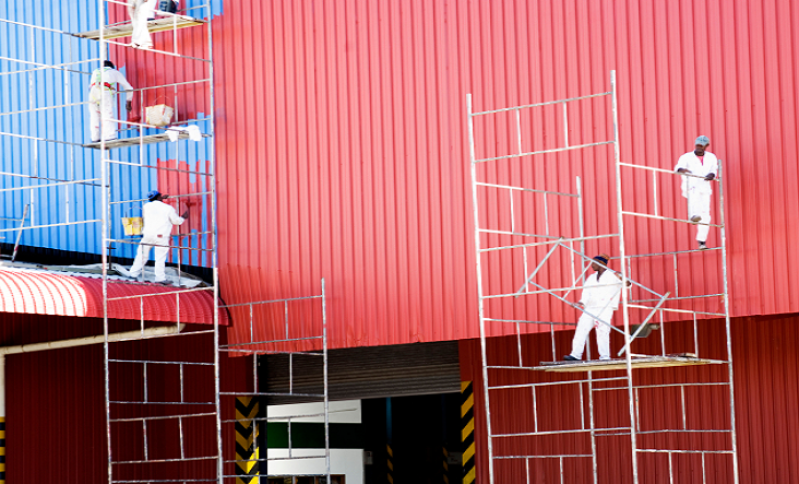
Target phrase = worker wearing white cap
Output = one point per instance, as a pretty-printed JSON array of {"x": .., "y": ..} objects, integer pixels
[
  {"x": 697, "y": 189},
  {"x": 106, "y": 82},
  {"x": 140, "y": 12},
  {"x": 159, "y": 218},
  {"x": 600, "y": 297}
]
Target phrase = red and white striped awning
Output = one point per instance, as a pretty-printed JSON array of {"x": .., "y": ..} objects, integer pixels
[{"x": 28, "y": 291}]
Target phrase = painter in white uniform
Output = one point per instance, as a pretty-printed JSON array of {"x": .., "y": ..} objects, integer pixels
[
  {"x": 106, "y": 82},
  {"x": 600, "y": 297},
  {"x": 698, "y": 191},
  {"x": 140, "y": 12},
  {"x": 159, "y": 218}
]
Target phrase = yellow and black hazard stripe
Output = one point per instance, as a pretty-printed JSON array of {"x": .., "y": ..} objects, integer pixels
[
  {"x": 246, "y": 441},
  {"x": 467, "y": 432},
  {"x": 446, "y": 465},
  {"x": 390, "y": 463},
  {"x": 2, "y": 450}
]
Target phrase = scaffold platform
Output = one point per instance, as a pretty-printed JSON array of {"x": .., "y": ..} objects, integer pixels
[
  {"x": 158, "y": 25},
  {"x": 638, "y": 362},
  {"x": 138, "y": 140}
]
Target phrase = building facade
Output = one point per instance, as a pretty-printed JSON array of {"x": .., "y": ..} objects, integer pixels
[{"x": 342, "y": 153}]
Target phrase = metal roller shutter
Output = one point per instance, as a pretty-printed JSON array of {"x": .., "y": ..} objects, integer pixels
[{"x": 371, "y": 372}]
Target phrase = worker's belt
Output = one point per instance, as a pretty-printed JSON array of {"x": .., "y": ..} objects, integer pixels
[{"x": 107, "y": 85}]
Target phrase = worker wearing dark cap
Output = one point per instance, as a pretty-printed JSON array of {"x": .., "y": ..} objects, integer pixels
[
  {"x": 600, "y": 297},
  {"x": 159, "y": 218}
]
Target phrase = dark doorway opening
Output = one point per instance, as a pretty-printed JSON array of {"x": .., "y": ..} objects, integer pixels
[{"x": 418, "y": 429}]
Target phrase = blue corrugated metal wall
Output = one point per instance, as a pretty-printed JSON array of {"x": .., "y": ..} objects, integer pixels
[{"x": 65, "y": 159}]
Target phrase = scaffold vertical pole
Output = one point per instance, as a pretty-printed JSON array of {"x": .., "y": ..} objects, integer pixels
[
  {"x": 220, "y": 460},
  {"x": 103, "y": 249},
  {"x": 326, "y": 389},
  {"x": 728, "y": 326},
  {"x": 623, "y": 268},
  {"x": 590, "y": 376},
  {"x": 478, "y": 269}
]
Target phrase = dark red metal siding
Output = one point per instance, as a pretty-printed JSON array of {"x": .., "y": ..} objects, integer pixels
[
  {"x": 766, "y": 389},
  {"x": 55, "y": 414},
  {"x": 343, "y": 150}
]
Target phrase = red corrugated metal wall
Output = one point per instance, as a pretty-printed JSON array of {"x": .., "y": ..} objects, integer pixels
[
  {"x": 55, "y": 415},
  {"x": 343, "y": 150},
  {"x": 766, "y": 369}
]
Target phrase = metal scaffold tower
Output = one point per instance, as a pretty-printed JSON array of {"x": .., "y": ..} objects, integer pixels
[
  {"x": 567, "y": 426},
  {"x": 171, "y": 416},
  {"x": 300, "y": 346},
  {"x": 162, "y": 417}
]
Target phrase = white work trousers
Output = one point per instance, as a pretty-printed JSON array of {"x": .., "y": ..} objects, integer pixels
[
  {"x": 140, "y": 11},
  {"x": 101, "y": 103},
  {"x": 143, "y": 255},
  {"x": 699, "y": 204},
  {"x": 584, "y": 327}
]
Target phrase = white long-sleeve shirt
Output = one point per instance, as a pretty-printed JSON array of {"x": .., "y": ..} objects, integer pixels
[
  {"x": 113, "y": 80},
  {"x": 601, "y": 292},
  {"x": 709, "y": 164},
  {"x": 159, "y": 218}
]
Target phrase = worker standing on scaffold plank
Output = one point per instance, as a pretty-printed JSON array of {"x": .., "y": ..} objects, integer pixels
[
  {"x": 698, "y": 191},
  {"x": 600, "y": 297},
  {"x": 159, "y": 218},
  {"x": 106, "y": 82}
]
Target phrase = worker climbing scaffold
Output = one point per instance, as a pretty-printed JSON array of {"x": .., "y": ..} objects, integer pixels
[{"x": 698, "y": 168}]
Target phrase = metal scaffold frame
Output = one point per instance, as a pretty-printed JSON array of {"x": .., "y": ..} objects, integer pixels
[
  {"x": 650, "y": 306},
  {"x": 202, "y": 410},
  {"x": 285, "y": 344},
  {"x": 181, "y": 408},
  {"x": 117, "y": 407}
]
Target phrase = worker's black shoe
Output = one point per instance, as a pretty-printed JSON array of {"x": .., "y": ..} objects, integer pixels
[
  {"x": 702, "y": 246},
  {"x": 570, "y": 358}
]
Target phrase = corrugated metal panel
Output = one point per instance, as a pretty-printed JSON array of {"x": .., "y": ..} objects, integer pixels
[
  {"x": 342, "y": 140},
  {"x": 38, "y": 292},
  {"x": 55, "y": 400},
  {"x": 190, "y": 102},
  {"x": 348, "y": 158},
  {"x": 49, "y": 87},
  {"x": 766, "y": 375},
  {"x": 69, "y": 162},
  {"x": 375, "y": 372}
]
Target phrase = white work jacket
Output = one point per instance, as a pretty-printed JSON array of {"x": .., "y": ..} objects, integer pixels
[
  {"x": 159, "y": 219},
  {"x": 601, "y": 293},
  {"x": 691, "y": 162},
  {"x": 113, "y": 81}
]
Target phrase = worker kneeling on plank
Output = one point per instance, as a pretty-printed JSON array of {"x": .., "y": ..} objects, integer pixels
[
  {"x": 158, "y": 221},
  {"x": 704, "y": 166},
  {"x": 600, "y": 297},
  {"x": 106, "y": 82}
]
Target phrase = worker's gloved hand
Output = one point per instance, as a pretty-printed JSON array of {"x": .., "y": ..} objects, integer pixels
[
  {"x": 710, "y": 176},
  {"x": 185, "y": 214},
  {"x": 684, "y": 170},
  {"x": 129, "y": 106}
]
